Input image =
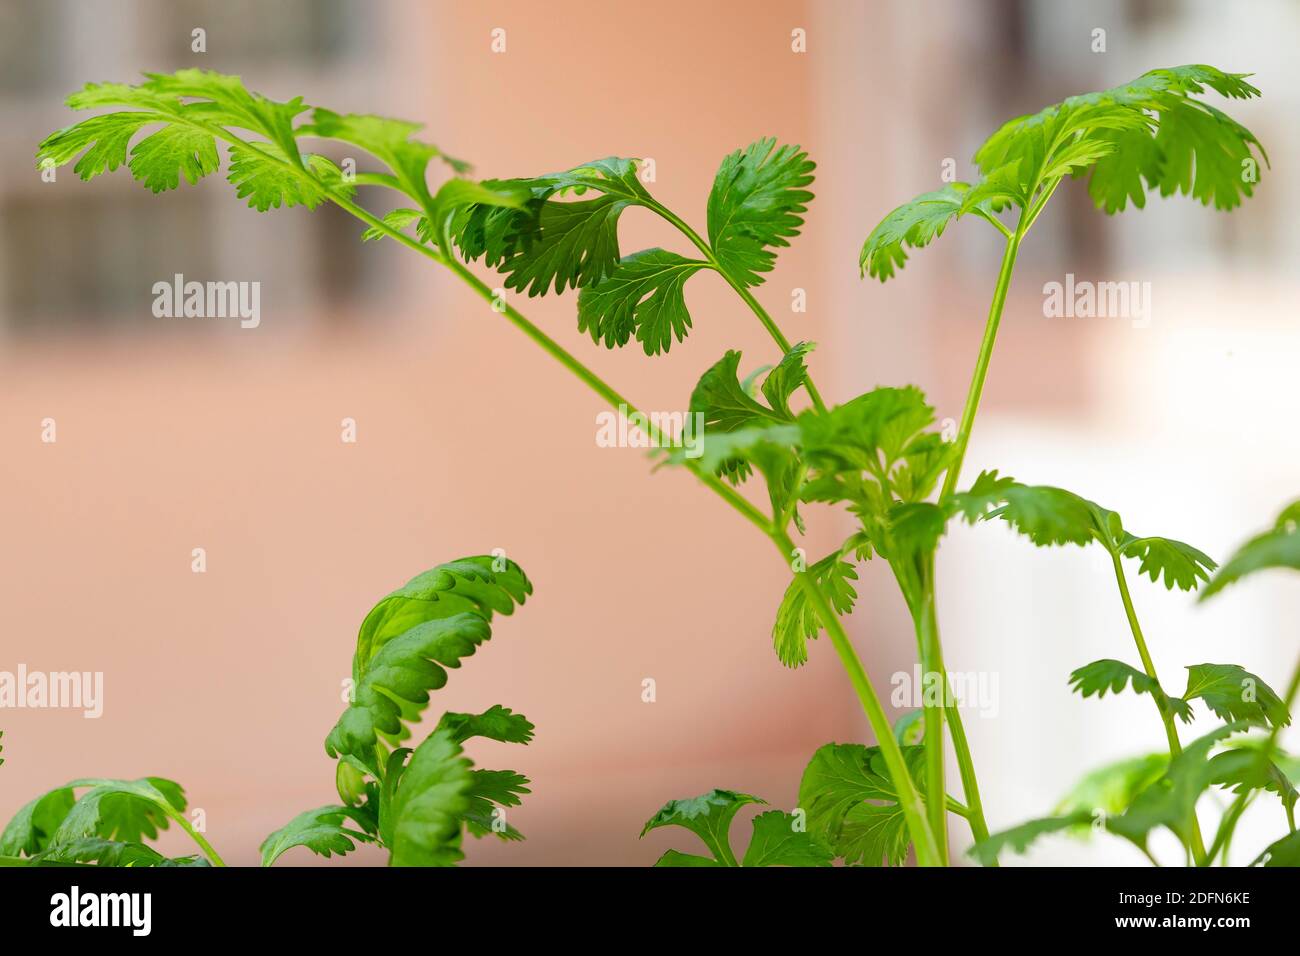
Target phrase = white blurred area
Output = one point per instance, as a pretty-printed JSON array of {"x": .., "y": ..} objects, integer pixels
[{"x": 1188, "y": 428}]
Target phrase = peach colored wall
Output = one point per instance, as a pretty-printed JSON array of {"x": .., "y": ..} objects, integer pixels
[{"x": 469, "y": 439}]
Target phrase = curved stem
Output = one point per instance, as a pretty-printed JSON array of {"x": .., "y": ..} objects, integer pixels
[
  {"x": 1166, "y": 715},
  {"x": 195, "y": 835}
]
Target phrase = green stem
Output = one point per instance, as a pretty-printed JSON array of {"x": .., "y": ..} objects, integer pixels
[
  {"x": 909, "y": 800},
  {"x": 740, "y": 289},
  {"x": 931, "y": 655},
  {"x": 961, "y": 746},
  {"x": 982, "y": 361},
  {"x": 195, "y": 835},
  {"x": 1166, "y": 715}
]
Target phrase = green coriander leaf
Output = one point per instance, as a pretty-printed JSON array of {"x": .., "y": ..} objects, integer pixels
[
  {"x": 161, "y": 158},
  {"x": 31, "y": 828},
  {"x": 1110, "y": 675},
  {"x": 777, "y": 842},
  {"x": 1233, "y": 693},
  {"x": 1112, "y": 788},
  {"x": 1276, "y": 548},
  {"x": 789, "y": 375},
  {"x": 851, "y": 803},
  {"x": 1170, "y": 800},
  {"x": 323, "y": 830},
  {"x": 641, "y": 297},
  {"x": 1283, "y": 852},
  {"x": 987, "y": 492},
  {"x": 495, "y": 723},
  {"x": 916, "y": 224},
  {"x": 388, "y": 140},
  {"x": 674, "y": 858},
  {"x": 1019, "y": 838},
  {"x": 1180, "y": 563},
  {"x": 265, "y": 175},
  {"x": 708, "y": 816},
  {"x": 398, "y": 219},
  {"x": 428, "y": 804},
  {"x": 1050, "y": 516},
  {"x": 873, "y": 835},
  {"x": 797, "y": 622},
  {"x": 756, "y": 206}
]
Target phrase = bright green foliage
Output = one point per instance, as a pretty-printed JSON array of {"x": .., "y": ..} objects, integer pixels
[
  {"x": 852, "y": 805},
  {"x": 419, "y": 803},
  {"x": 1166, "y": 801},
  {"x": 428, "y": 804},
  {"x": 324, "y": 830},
  {"x": 1054, "y": 516},
  {"x": 778, "y": 839},
  {"x": 797, "y": 622},
  {"x": 104, "y": 825},
  {"x": 193, "y": 112},
  {"x": 1284, "y": 852},
  {"x": 1110, "y": 675},
  {"x": 916, "y": 224},
  {"x": 409, "y": 639},
  {"x": 756, "y": 206},
  {"x": 1279, "y": 547},
  {"x": 1235, "y": 694},
  {"x": 1018, "y": 839},
  {"x": 1110, "y": 789},
  {"x": 1150, "y": 134},
  {"x": 642, "y": 297}
]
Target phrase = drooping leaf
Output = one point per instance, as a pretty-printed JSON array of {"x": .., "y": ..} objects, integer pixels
[
  {"x": 915, "y": 223},
  {"x": 30, "y": 829},
  {"x": 1233, "y": 693},
  {"x": 1110, "y": 675},
  {"x": 1180, "y": 563},
  {"x": 1018, "y": 839},
  {"x": 324, "y": 830},
  {"x": 1278, "y": 547}
]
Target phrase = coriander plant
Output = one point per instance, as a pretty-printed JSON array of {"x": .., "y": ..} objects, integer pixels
[
  {"x": 876, "y": 454},
  {"x": 416, "y": 803}
]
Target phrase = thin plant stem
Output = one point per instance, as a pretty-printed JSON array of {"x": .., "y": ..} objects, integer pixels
[{"x": 1197, "y": 843}]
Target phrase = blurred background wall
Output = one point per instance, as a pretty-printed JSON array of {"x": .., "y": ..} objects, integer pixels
[{"x": 176, "y": 434}]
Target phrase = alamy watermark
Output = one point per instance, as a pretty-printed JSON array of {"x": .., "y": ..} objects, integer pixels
[
  {"x": 1101, "y": 300},
  {"x": 632, "y": 429},
  {"x": 54, "y": 690},
  {"x": 209, "y": 300},
  {"x": 975, "y": 690}
]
